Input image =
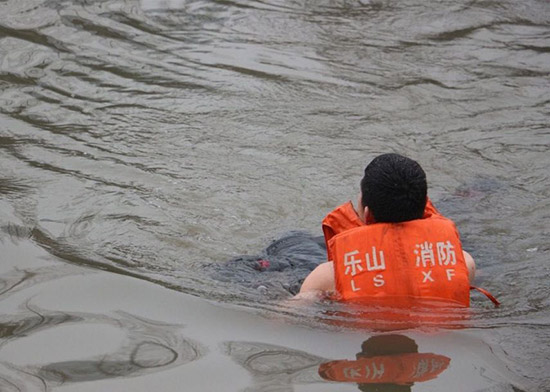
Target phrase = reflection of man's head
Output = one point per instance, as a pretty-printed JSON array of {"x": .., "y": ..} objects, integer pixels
[
  {"x": 386, "y": 345},
  {"x": 386, "y": 363}
]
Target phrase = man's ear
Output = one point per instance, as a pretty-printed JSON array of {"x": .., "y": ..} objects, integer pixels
[{"x": 369, "y": 218}]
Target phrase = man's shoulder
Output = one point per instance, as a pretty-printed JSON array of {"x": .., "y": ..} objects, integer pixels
[{"x": 321, "y": 279}]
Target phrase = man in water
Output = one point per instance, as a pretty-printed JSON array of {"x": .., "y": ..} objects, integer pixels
[{"x": 396, "y": 248}]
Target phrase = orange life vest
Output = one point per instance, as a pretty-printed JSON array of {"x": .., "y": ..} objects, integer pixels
[
  {"x": 344, "y": 217},
  {"x": 400, "y": 263}
]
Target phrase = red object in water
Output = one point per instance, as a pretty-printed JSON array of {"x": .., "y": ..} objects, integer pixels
[{"x": 263, "y": 264}]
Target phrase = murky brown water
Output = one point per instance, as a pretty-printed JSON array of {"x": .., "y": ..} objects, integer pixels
[{"x": 155, "y": 139}]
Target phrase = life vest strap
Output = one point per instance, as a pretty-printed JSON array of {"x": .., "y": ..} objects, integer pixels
[{"x": 487, "y": 294}]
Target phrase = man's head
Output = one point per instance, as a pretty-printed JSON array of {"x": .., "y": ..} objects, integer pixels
[{"x": 394, "y": 189}]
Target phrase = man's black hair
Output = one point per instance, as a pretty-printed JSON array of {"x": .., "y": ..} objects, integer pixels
[{"x": 394, "y": 188}]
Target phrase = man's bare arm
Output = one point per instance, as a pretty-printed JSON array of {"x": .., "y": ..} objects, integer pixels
[
  {"x": 470, "y": 263},
  {"x": 319, "y": 283}
]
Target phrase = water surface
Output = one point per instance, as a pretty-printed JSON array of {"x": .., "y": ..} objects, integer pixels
[{"x": 159, "y": 139}]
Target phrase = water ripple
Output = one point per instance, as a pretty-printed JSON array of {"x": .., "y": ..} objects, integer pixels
[
  {"x": 157, "y": 139},
  {"x": 149, "y": 347}
]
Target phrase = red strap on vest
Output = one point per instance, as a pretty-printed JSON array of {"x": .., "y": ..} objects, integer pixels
[{"x": 487, "y": 294}]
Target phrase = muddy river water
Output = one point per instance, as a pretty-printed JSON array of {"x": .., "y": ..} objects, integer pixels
[{"x": 146, "y": 144}]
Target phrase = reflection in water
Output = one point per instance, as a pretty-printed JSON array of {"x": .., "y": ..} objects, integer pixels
[
  {"x": 157, "y": 136},
  {"x": 149, "y": 346},
  {"x": 19, "y": 279},
  {"x": 386, "y": 363},
  {"x": 378, "y": 317},
  {"x": 13, "y": 379},
  {"x": 272, "y": 365}
]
